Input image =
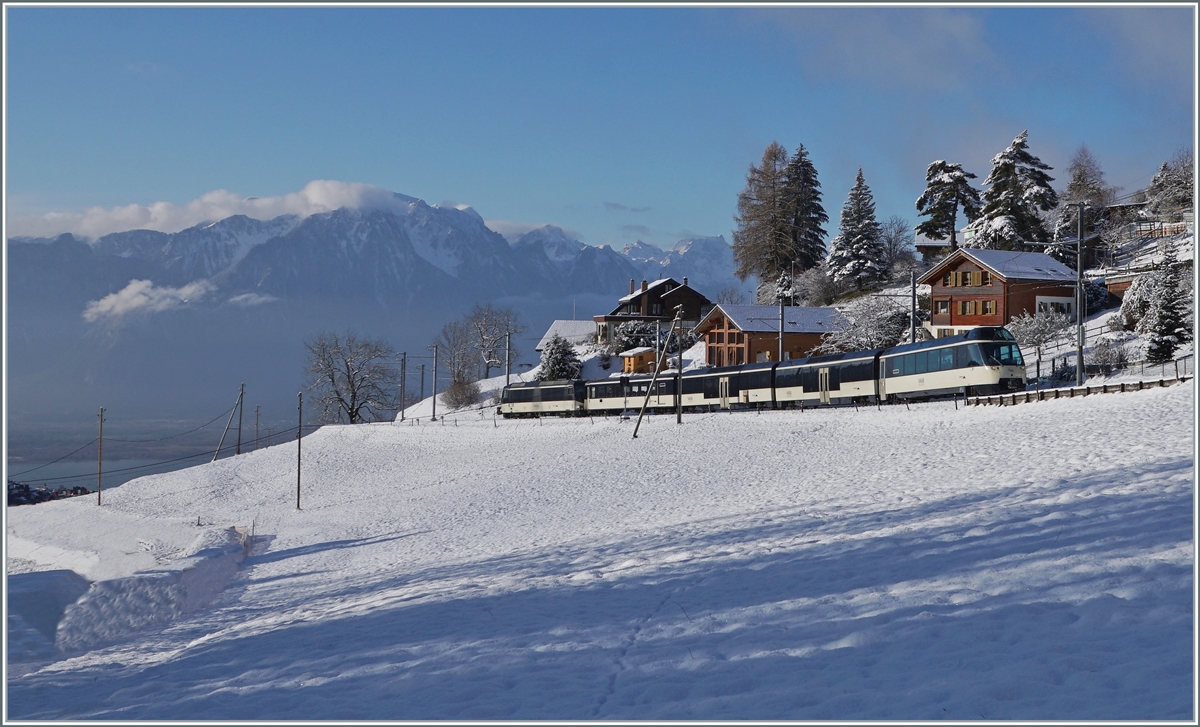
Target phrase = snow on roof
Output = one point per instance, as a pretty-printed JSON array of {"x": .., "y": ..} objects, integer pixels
[
  {"x": 649, "y": 287},
  {"x": 575, "y": 332},
  {"x": 1021, "y": 265},
  {"x": 796, "y": 318},
  {"x": 1010, "y": 265},
  {"x": 636, "y": 351}
]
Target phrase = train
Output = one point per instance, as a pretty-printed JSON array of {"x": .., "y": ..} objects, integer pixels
[{"x": 984, "y": 360}]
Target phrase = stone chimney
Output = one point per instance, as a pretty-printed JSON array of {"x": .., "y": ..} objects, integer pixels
[
  {"x": 685, "y": 280},
  {"x": 631, "y": 286},
  {"x": 645, "y": 285}
]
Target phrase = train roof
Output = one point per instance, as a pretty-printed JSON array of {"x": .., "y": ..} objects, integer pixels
[
  {"x": 982, "y": 333},
  {"x": 531, "y": 384},
  {"x": 831, "y": 357}
]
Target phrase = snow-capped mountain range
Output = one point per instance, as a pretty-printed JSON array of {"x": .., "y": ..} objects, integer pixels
[{"x": 244, "y": 293}]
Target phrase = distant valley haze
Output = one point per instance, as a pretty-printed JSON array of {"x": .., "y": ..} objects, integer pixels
[{"x": 164, "y": 320}]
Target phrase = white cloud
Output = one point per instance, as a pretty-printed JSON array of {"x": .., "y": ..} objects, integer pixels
[
  {"x": 141, "y": 296},
  {"x": 316, "y": 197},
  {"x": 248, "y": 299},
  {"x": 932, "y": 49}
]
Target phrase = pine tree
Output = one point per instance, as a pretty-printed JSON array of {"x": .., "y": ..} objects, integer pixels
[
  {"x": 1173, "y": 186},
  {"x": 805, "y": 213},
  {"x": 779, "y": 216},
  {"x": 856, "y": 254},
  {"x": 1019, "y": 187},
  {"x": 947, "y": 187},
  {"x": 761, "y": 240},
  {"x": 1086, "y": 185},
  {"x": 559, "y": 361},
  {"x": 1164, "y": 320}
]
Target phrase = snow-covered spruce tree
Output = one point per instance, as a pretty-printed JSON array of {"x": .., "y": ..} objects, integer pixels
[
  {"x": 1165, "y": 321},
  {"x": 559, "y": 361},
  {"x": 1173, "y": 186},
  {"x": 856, "y": 254},
  {"x": 779, "y": 216},
  {"x": 1018, "y": 188},
  {"x": 761, "y": 241},
  {"x": 947, "y": 188},
  {"x": 806, "y": 215},
  {"x": 1086, "y": 185},
  {"x": 785, "y": 291},
  {"x": 869, "y": 322}
]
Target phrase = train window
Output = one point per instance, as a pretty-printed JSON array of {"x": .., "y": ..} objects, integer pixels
[
  {"x": 945, "y": 359},
  {"x": 758, "y": 380},
  {"x": 1002, "y": 354},
  {"x": 693, "y": 385}
]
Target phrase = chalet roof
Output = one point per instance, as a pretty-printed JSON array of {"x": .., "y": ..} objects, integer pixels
[
  {"x": 765, "y": 318},
  {"x": 1007, "y": 264},
  {"x": 636, "y": 351},
  {"x": 661, "y": 281},
  {"x": 575, "y": 332}
]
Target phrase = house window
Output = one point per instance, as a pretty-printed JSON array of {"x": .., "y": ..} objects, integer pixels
[
  {"x": 985, "y": 278},
  {"x": 989, "y": 308},
  {"x": 948, "y": 280},
  {"x": 721, "y": 337},
  {"x": 741, "y": 352},
  {"x": 942, "y": 307},
  {"x": 966, "y": 307},
  {"x": 943, "y": 332}
]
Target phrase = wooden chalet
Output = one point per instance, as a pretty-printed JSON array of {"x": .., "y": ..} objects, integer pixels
[
  {"x": 973, "y": 287},
  {"x": 737, "y": 334},
  {"x": 640, "y": 360},
  {"x": 655, "y": 303}
]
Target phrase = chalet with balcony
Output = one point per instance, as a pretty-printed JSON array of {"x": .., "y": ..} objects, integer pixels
[
  {"x": 973, "y": 287},
  {"x": 737, "y": 334},
  {"x": 655, "y": 303}
]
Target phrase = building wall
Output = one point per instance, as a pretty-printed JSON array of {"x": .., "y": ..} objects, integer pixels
[{"x": 726, "y": 345}]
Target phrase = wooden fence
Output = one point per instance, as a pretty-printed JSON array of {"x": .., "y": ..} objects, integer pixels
[{"x": 1025, "y": 397}]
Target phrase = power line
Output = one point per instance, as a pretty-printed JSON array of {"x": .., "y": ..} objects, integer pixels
[
  {"x": 35, "y": 469},
  {"x": 173, "y": 436}
]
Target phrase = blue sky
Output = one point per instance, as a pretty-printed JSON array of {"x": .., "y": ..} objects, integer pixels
[{"x": 615, "y": 123}]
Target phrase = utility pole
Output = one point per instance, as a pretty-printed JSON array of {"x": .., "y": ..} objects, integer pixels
[
  {"x": 1080, "y": 300},
  {"x": 679, "y": 376},
  {"x": 226, "y": 430},
  {"x": 912, "y": 327},
  {"x": 507, "y": 355},
  {"x": 299, "y": 430},
  {"x": 256, "y": 407},
  {"x": 422, "y": 367},
  {"x": 100, "y": 457},
  {"x": 651, "y": 390},
  {"x": 433, "y": 417},
  {"x": 780, "y": 330},
  {"x": 241, "y": 406},
  {"x": 403, "y": 377}
]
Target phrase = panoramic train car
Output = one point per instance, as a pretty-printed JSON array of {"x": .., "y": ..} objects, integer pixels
[
  {"x": 715, "y": 388},
  {"x": 984, "y": 360},
  {"x": 534, "y": 398},
  {"x": 842, "y": 378},
  {"x": 629, "y": 392}
]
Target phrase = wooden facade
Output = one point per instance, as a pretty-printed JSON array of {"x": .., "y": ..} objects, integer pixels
[
  {"x": 966, "y": 291},
  {"x": 653, "y": 303},
  {"x": 731, "y": 337}
]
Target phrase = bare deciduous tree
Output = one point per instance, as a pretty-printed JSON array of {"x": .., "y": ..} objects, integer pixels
[
  {"x": 455, "y": 351},
  {"x": 870, "y": 322},
  {"x": 354, "y": 378},
  {"x": 490, "y": 326}
]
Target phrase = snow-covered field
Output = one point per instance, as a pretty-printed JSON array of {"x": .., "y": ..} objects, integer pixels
[{"x": 1031, "y": 562}]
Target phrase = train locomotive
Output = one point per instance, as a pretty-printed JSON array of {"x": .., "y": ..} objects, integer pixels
[{"x": 984, "y": 360}]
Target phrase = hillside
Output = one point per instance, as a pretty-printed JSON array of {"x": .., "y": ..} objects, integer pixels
[{"x": 925, "y": 563}]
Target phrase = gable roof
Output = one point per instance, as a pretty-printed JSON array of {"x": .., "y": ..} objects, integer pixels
[
  {"x": 765, "y": 318},
  {"x": 661, "y": 281},
  {"x": 575, "y": 332},
  {"x": 1007, "y": 264}
]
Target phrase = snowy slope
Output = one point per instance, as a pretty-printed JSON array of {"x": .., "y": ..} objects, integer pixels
[{"x": 925, "y": 563}]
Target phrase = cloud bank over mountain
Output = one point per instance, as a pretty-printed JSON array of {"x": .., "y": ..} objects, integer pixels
[{"x": 319, "y": 195}]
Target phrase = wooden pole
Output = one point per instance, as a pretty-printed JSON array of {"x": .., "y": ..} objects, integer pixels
[
  {"x": 299, "y": 430},
  {"x": 100, "y": 457}
]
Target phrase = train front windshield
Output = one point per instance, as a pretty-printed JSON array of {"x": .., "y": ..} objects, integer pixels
[{"x": 1001, "y": 354}]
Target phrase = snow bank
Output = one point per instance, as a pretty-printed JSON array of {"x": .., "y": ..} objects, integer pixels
[{"x": 113, "y": 609}]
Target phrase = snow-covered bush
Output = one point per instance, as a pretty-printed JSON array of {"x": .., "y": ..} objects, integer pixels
[
  {"x": 634, "y": 334},
  {"x": 1038, "y": 331},
  {"x": 462, "y": 394},
  {"x": 1108, "y": 355}
]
